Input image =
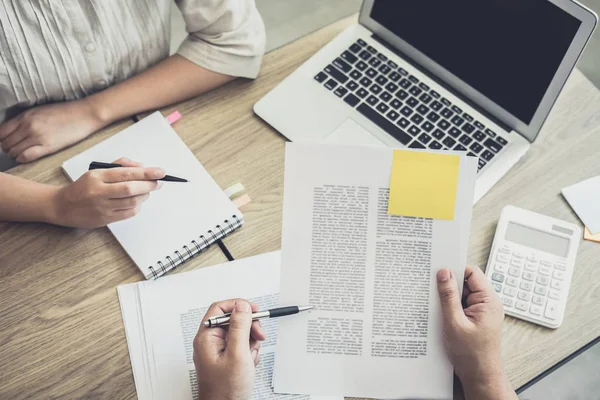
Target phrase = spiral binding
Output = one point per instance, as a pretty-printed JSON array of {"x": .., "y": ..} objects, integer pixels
[{"x": 195, "y": 247}]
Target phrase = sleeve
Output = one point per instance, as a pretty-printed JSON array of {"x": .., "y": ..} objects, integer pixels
[{"x": 224, "y": 36}]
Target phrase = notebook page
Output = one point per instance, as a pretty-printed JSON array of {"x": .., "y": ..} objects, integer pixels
[
  {"x": 376, "y": 328},
  {"x": 174, "y": 215}
]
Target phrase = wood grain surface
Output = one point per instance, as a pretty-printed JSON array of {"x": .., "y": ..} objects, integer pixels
[{"x": 61, "y": 333}]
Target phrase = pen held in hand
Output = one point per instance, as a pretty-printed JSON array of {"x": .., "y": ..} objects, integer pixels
[
  {"x": 101, "y": 165},
  {"x": 223, "y": 320}
]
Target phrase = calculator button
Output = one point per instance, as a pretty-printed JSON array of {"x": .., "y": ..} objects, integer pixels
[
  {"x": 551, "y": 310},
  {"x": 554, "y": 294},
  {"x": 497, "y": 287},
  {"x": 514, "y": 271},
  {"x": 497, "y": 277},
  {"x": 516, "y": 262},
  {"x": 531, "y": 266},
  {"x": 535, "y": 310},
  {"x": 504, "y": 249},
  {"x": 543, "y": 280},
  {"x": 500, "y": 268},
  {"x": 503, "y": 258},
  {"x": 521, "y": 305},
  {"x": 558, "y": 275},
  {"x": 546, "y": 263},
  {"x": 518, "y": 254},
  {"x": 541, "y": 290},
  {"x": 511, "y": 281},
  {"x": 525, "y": 296},
  {"x": 538, "y": 300},
  {"x": 532, "y": 258},
  {"x": 545, "y": 270},
  {"x": 510, "y": 291},
  {"x": 528, "y": 276},
  {"x": 561, "y": 266},
  {"x": 526, "y": 286},
  {"x": 507, "y": 301},
  {"x": 558, "y": 285}
]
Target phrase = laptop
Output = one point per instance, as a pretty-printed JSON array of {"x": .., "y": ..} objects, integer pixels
[{"x": 469, "y": 75}]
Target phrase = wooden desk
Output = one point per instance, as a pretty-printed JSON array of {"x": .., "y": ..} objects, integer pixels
[
  {"x": 565, "y": 153},
  {"x": 61, "y": 332}
]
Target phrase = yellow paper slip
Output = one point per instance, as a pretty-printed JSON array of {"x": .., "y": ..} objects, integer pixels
[
  {"x": 588, "y": 236},
  {"x": 423, "y": 184}
]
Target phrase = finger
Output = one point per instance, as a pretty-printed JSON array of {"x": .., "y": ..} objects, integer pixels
[
  {"x": 128, "y": 202},
  {"x": 257, "y": 332},
  {"x": 255, "y": 353},
  {"x": 20, "y": 147},
  {"x": 9, "y": 127},
  {"x": 240, "y": 324},
  {"x": 32, "y": 154},
  {"x": 131, "y": 189},
  {"x": 114, "y": 175},
  {"x": 13, "y": 139},
  {"x": 126, "y": 162},
  {"x": 450, "y": 298},
  {"x": 475, "y": 280}
]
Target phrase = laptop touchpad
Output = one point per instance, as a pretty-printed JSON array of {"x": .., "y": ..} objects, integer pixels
[{"x": 349, "y": 132}]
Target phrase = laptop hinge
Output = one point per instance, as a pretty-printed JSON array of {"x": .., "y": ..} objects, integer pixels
[{"x": 442, "y": 83}]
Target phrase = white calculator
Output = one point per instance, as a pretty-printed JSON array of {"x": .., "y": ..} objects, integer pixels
[{"x": 531, "y": 264}]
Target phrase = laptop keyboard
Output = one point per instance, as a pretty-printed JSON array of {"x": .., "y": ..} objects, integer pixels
[{"x": 406, "y": 108}]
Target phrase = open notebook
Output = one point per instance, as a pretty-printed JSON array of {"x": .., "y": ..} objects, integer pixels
[{"x": 176, "y": 222}]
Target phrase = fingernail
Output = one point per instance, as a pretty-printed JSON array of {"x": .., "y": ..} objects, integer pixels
[
  {"x": 126, "y": 159},
  {"x": 443, "y": 275},
  {"x": 157, "y": 173},
  {"x": 242, "y": 306},
  {"x": 160, "y": 185}
]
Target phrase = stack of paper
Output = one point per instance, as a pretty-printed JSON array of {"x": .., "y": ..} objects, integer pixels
[
  {"x": 584, "y": 199},
  {"x": 162, "y": 318}
]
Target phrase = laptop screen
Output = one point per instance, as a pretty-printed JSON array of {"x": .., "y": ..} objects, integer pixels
[{"x": 508, "y": 50}]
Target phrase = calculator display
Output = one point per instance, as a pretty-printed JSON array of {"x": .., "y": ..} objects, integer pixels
[{"x": 543, "y": 241}]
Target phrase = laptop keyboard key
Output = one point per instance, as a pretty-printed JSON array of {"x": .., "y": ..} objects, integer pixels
[
  {"x": 490, "y": 133},
  {"x": 479, "y": 136},
  {"x": 413, "y": 79},
  {"x": 362, "y": 93},
  {"x": 412, "y": 102},
  {"x": 352, "y": 85},
  {"x": 355, "y": 48},
  {"x": 443, "y": 124},
  {"x": 465, "y": 140},
  {"x": 476, "y": 147},
  {"x": 336, "y": 74},
  {"x": 416, "y": 145},
  {"x": 433, "y": 117},
  {"x": 352, "y": 100},
  {"x": 454, "y": 132},
  {"x": 424, "y": 86},
  {"x": 394, "y": 76},
  {"x": 493, "y": 145},
  {"x": 427, "y": 126},
  {"x": 383, "y": 108},
  {"x": 434, "y": 94},
  {"x": 365, "y": 55},
  {"x": 351, "y": 58},
  {"x": 406, "y": 111},
  {"x": 417, "y": 119},
  {"x": 382, "y": 57},
  {"x": 376, "y": 89},
  {"x": 361, "y": 42},
  {"x": 456, "y": 109},
  {"x": 355, "y": 75},
  {"x": 403, "y": 122},
  {"x": 413, "y": 130},
  {"x": 479, "y": 125},
  {"x": 382, "y": 80},
  {"x": 449, "y": 142},
  {"x": 371, "y": 73},
  {"x": 341, "y": 64},
  {"x": 391, "y": 87},
  {"x": 436, "y": 106},
  {"x": 331, "y": 84},
  {"x": 438, "y": 134},
  {"x": 405, "y": 83},
  {"x": 384, "y": 69},
  {"x": 341, "y": 91},
  {"x": 468, "y": 128},
  {"x": 501, "y": 140},
  {"x": 396, "y": 104},
  {"x": 392, "y": 64},
  {"x": 372, "y": 49},
  {"x": 402, "y": 71},
  {"x": 487, "y": 155},
  {"x": 423, "y": 109},
  {"x": 446, "y": 113},
  {"x": 374, "y": 62},
  {"x": 361, "y": 66},
  {"x": 481, "y": 164},
  {"x": 401, "y": 94},
  {"x": 435, "y": 145},
  {"x": 393, "y": 115},
  {"x": 385, "y": 96},
  {"x": 384, "y": 124},
  {"x": 425, "y": 138},
  {"x": 467, "y": 117},
  {"x": 372, "y": 100},
  {"x": 458, "y": 121},
  {"x": 415, "y": 91},
  {"x": 425, "y": 98},
  {"x": 320, "y": 77},
  {"x": 366, "y": 82}
]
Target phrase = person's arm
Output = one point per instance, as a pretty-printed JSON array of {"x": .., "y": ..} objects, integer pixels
[
  {"x": 98, "y": 198},
  {"x": 472, "y": 335}
]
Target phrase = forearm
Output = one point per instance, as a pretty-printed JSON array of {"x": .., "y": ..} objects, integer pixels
[
  {"x": 26, "y": 201},
  {"x": 496, "y": 387},
  {"x": 170, "y": 81}
]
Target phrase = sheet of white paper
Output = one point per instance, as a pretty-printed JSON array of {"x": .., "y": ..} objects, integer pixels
[
  {"x": 376, "y": 331},
  {"x": 584, "y": 199},
  {"x": 173, "y": 216},
  {"x": 172, "y": 308}
]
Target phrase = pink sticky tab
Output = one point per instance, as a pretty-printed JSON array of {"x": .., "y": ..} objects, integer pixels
[
  {"x": 242, "y": 201},
  {"x": 174, "y": 117}
]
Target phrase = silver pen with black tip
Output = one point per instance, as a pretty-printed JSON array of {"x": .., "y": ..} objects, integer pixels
[{"x": 222, "y": 320}]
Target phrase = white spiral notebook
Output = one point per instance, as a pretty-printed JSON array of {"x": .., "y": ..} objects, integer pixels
[{"x": 176, "y": 222}]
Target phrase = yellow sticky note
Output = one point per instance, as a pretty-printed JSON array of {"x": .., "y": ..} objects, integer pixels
[
  {"x": 423, "y": 184},
  {"x": 589, "y": 236}
]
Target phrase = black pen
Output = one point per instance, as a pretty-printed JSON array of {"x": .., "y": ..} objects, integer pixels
[
  {"x": 221, "y": 320},
  {"x": 101, "y": 165}
]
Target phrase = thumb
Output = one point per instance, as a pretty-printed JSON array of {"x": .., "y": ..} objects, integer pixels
[
  {"x": 449, "y": 296},
  {"x": 238, "y": 339}
]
